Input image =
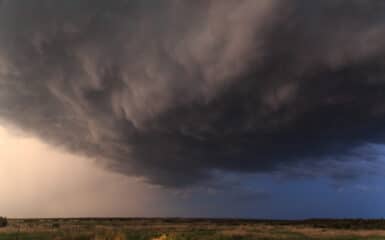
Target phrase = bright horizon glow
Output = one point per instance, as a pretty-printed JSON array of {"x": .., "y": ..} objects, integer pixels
[{"x": 37, "y": 180}]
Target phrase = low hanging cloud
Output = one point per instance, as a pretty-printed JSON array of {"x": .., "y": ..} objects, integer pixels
[{"x": 174, "y": 90}]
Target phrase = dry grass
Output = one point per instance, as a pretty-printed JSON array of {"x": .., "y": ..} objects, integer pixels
[
  {"x": 321, "y": 232},
  {"x": 290, "y": 232},
  {"x": 158, "y": 230}
]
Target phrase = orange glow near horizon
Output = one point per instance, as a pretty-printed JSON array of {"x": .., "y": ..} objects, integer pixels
[{"x": 37, "y": 180}]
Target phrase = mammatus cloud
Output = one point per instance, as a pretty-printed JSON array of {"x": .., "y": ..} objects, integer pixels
[{"x": 173, "y": 90}]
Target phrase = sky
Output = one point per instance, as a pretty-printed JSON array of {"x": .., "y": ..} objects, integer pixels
[
  {"x": 237, "y": 108},
  {"x": 38, "y": 180}
]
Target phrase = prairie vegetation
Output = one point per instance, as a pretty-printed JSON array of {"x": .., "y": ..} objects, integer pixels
[{"x": 190, "y": 229}]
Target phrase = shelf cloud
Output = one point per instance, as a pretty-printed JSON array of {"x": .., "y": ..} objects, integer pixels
[{"x": 173, "y": 90}]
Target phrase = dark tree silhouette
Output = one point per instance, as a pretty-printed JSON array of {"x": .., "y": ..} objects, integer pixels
[{"x": 3, "y": 222}]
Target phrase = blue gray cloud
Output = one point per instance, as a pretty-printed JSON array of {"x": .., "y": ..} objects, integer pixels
[{"x": 174, "y": 90}]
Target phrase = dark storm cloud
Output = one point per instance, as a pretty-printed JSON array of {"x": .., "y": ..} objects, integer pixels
[{"x": 172, "y": 90}]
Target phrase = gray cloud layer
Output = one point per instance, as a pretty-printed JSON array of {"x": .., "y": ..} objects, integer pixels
[{"x": 172, "y": 90}]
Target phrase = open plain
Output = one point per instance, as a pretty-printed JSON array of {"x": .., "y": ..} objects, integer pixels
[{"x": 189, "y": 229}]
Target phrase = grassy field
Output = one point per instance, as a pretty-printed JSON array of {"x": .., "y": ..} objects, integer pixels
[{"x": 189, "y": 229}]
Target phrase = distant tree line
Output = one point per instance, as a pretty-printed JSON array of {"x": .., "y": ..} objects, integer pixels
[{"x": 3, "y": 222}]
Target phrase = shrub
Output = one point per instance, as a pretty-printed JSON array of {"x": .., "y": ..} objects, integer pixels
[
  {"x": 3, "y": 222},
  {"x": 56, "y": 225}
]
